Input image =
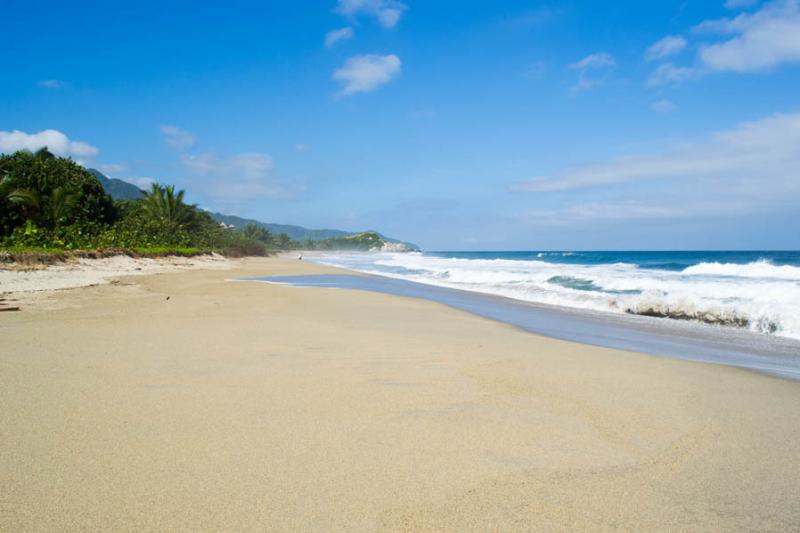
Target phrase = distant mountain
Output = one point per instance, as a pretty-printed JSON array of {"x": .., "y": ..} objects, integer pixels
[
  {"x": 118, "y": 189},
  {"x": 122, "y": 190},
  {"x": 297, "y": 233}
]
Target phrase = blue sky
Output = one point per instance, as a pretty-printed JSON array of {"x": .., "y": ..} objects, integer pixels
[{"x": 456, "y": 125}]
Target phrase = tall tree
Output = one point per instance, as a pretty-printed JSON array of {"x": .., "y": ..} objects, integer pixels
[{"x": 163, "y": 204}]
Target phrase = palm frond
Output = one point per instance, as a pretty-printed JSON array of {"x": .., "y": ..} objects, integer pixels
[{"x": 25, "y": 197}]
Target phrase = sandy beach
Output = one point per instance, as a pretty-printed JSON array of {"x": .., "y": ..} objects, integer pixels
[{"x": 180, "y": 401}]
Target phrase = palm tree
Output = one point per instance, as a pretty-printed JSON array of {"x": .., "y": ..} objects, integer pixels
[
  {"x": 257, "y": 233},
  {"x": 46, "y": 211},
  {"x": 61, "y": 204},
  {"x": 162, "y": 203},
  {"x": 27, "y": 198}
]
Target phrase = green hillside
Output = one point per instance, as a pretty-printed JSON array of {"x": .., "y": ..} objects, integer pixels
[{"x": 116, "y": 188}]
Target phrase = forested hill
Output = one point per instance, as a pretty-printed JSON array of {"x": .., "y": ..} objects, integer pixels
[
  {"x": 118, "y": 189},
  {"x": 297, "y": 233}
]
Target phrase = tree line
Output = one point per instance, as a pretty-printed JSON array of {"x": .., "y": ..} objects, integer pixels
[{"x": 53, "y": 203}]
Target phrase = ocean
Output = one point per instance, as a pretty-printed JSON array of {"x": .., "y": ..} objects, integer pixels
[{"x": 757, "y": 291}]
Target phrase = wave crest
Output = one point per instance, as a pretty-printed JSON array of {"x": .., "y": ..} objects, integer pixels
[{"x": 756, "y": 269}]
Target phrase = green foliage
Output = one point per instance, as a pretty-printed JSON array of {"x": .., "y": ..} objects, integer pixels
[
  {"x": 163, "y": 205},
  {"x": 49, "y": 190},
  {"x": 364, "y": 242},
  {"x": 257, "y": 233},
  {"x": 71, "y": 237}
]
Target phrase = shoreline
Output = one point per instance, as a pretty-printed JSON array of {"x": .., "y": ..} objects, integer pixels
[
  {"x": 736, "y": 290},
  {"x": 771, "y": 355},
  {"x": 180, "y": 401}
]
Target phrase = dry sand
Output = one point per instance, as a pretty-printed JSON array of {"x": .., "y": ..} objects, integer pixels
[
  {"x": 88, "y": 272},
  {"x": 245, "y": 406}
]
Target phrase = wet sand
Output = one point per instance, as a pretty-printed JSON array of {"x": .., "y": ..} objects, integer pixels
[{"x": 180, "y": 401}]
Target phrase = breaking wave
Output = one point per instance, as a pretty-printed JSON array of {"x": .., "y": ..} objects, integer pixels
[
  {"x": 758, "y": 269},
  {"x": 760, "y": 296}
]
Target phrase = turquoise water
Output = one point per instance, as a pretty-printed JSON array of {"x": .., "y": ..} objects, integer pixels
[{"x": 661, "y": 260}]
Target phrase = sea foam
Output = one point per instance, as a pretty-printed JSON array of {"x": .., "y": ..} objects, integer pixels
[{"x": 758, "y": 295}]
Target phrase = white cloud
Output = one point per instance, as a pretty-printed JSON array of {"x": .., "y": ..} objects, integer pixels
[
  {"x": 759, "y": 158},
  {"x": 386, "y": 12},
  {"x": 243, "y": 176},
  {"x": 246, "y": 165},
  {"x": 334, "y": 36},
  {"x": 177, "y": 138},
  {"x": 50, "y": 84},
  {"x": 762, "y": 40},
  {"x": 54, "y": 140},
  {"x": 752, "y": 169},
  {"x": 112, "y": 168},
  {"x": 300, "y": 148},
  {"x": 143, "y": 182},
  {"x": 663, "y": 106},
  {"x": 592, "y": 62},
  {"x": 669, "y": 73},
  {"x": 739, "y": 4},
  {"x": 666, "y": 47},
  {"x": 638, "y": 209},
  {"x": 364, "y": 73}
]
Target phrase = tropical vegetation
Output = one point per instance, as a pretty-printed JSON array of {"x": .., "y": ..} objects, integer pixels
[{"x": 53, "y": 203}]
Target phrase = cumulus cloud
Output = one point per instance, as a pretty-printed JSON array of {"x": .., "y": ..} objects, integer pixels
[
  {"x": 756, "y": 156},
  {"x": 663, "y": 106},
  {"x": 50, "y": 84},
  {"x": 364, "y": 73},
  {"x": 386, "y": 12},
  {"x": 760, "y": 41},
  {"x": 592, "y": 62},
  {"x": 177, "y": 138},
  {"x": 666, "y": 47},
  {"x": 334, "y": 36},
  {"x": 55, "y": 141}
]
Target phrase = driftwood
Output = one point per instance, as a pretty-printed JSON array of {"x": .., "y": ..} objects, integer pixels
[{"x": 4, "y": 306}]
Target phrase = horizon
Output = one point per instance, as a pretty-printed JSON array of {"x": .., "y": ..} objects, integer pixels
[{"x": 532, "y": 127}]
